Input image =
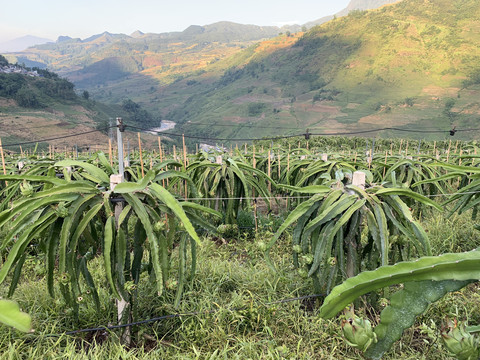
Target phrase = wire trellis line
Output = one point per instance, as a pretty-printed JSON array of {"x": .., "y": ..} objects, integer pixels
[
  {"x": 57, "y": 137},
  {"x": 306, "y": 134},
  {"x": 285, "y": 197}
]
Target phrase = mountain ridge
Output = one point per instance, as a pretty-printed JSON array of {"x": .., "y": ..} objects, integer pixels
[{"x": 21, "y": 43}]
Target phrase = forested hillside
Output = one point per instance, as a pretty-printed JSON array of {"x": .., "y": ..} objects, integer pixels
[
  {"x": 414, "y": 63},
  {"x": 37, "y": 104}
]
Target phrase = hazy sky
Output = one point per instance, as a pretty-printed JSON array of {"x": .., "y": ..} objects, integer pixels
[{"x": 83, "y": 18}]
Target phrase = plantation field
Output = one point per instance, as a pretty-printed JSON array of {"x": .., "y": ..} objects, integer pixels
[{"x": 252, "y": 252}]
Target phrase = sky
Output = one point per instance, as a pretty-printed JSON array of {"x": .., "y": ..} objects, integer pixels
[{"x": 83, "y": 18}]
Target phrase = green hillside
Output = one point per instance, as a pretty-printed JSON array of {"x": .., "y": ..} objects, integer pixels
[
  {"x": 411, "y": 64},
  {"x": 38, "y": 104}
]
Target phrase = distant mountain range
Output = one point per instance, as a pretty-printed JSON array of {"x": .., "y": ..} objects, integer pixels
[{"x": 22, "y": 43}]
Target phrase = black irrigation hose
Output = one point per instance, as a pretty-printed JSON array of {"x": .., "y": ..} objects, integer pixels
[{"x": 173, "y": 316}]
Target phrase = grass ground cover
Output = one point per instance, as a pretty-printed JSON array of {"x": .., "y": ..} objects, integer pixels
[{"x": 235, "y": 296}]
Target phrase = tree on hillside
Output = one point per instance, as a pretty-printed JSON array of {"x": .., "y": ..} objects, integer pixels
[
  {"x": 130, "y": 106},
  {"x": 138, "y": 114},
  {"x": 3, "y": 61},
  {"x": 27, "y": 98}
]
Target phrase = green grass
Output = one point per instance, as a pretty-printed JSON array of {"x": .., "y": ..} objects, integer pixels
[{"x": 235, "y": 282}]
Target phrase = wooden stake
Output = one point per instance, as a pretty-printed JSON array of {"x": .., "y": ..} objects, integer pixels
[
  {"x": 160, "y": 148},
  {"x": 269, "y": 170},
  {"x": 141, "y": 156},
  {"x": 406, "y": 149},
  {"x": 161, "y": 156},
  {"x": 434, "y": 147},
  {"x": 400, "y": 151},
  {"x": 385, "y": 167}
]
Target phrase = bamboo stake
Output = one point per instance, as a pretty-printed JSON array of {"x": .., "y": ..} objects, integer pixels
[
  {"x": 385, "y": 167},
  {"x": 400, "y": 151},
  {"x": 456, "y": 147},
  {"x": 185, "y": 163},
  {"x": 110, "y": 156},
  {"x": 141, "y": 156},
  {"x": 184, "y": 153},
  {"x": 254, "y": 164},
  {"x": 3, "y": 159},
  {"x": 161, "y": 156},
  {"x": 160, "y": 148},
  {"x": 279, "y": 169},
  {"x": 288, "y": 158},
  {"x": 391, "y": 148},
  {"x": 448, "y": 151},
  {"x": 406, "y": 149},
  {"x": 434, "y": 147},
  {"x": 475, "y": 153},
  {"x": 288, "y": 169},
  {"x": 269, "y": 170}
]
